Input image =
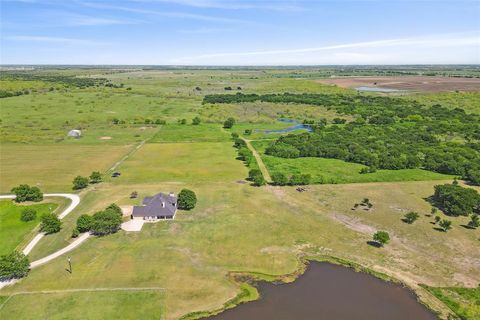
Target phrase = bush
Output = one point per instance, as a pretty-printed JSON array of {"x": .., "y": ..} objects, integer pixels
[
  {"x": 26, "y": 193},
  {"x": 115, "y": 208},
  {"x": 279, "y": 179},
  {"x": 445, "y": 225},
  {"x": 80, "y": 183},
  {"x": 196, "y": 121},
  {"x": 411, "y": 217},
  {"x": 186, "y": 199},
  {"x": 282, "y": 150},
  {"x": 105, "y": 222},
  {"x": 95, "y": 177},
  {"x": 75, "y": 233},
  {"x": 456, "y": 200},
  {"x": 474, "y": 221},
  {"x": 14, "y": 265},
  {"x": 258, "y": 180},
  {"x": 299, "y": 179},
  {"x": 84, "y": 223},
  {"x": 229, "y": 123},
  {"x": 28, "y": 214},
  {"x": 50, "y": 223}
]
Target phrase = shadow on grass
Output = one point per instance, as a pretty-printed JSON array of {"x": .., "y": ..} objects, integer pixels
[
  {"x": 374, "y": 244},
  {"x": 439, "y": 229}
]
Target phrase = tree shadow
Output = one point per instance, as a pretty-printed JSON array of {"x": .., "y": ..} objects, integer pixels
[
  {"x": 439, "y": 229},
  {"x": 374, "y": 244},
  {"x": 466, "y": 226}
]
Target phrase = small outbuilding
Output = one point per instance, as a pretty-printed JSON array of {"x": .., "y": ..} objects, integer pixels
[{"x": 75, "y": 133}]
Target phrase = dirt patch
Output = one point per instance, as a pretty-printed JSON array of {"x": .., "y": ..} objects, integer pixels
[
  {"x": 354, "y": 224},
  {"x": 105, "y": 138},
  {"x": 411, "y": 83}
]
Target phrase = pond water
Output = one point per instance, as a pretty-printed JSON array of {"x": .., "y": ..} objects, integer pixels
[
  {"x": 331, "y": 292},
  {"x": 297, "y": 126},
  {"x": 376, "y": 89}
]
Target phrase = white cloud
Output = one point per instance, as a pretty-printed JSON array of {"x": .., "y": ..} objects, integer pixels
[
  {"x": 48, "y": 39},
  {"x": 290, "y": 6},
  {"x": 312, "y": 55}
]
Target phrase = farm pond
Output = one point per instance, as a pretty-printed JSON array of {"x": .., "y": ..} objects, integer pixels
[{"x": 328, "y": 291}]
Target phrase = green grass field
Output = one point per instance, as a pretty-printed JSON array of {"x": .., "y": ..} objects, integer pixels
[
  {"x": 118, "y": 304},
  {"x": 464, "y": 301},
  {"x": 13, "y": 231}
]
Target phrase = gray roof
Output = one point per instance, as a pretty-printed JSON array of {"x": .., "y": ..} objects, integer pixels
[{"x": 159, "y": 205}]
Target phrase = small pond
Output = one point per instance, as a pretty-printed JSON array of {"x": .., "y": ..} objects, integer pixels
[
  {"x": 331, "y": 292},
  {"x": 296, "y": 126},
  {"x": 376, "y": 89}
]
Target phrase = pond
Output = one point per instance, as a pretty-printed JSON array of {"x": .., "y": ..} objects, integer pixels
[
  {"x": 331, "y": 292},
  {"x": 297, "y": 126},
  {"x": 376, "y": 89}
]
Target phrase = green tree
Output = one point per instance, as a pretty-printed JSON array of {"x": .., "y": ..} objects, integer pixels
[
  {"x": 50, "y": 223},
  {"x": 105, "y": 222},
  {"x": 80, "y": 182},
  {"x": 75, "y": 233},
  {"x": 26, "y": 193},
  {"x": 84, "y": 223},
  {"x": 381, "y": 237},
  {"x": 14, "y": 265},
  {"x": 186, "y": 199},
  {"x": 445, "y": 225},
  {"x": 196, "y": 121},
  {"x": 229, "y": 123},
  {"x": 182, "y": 121},
  {"x": 258, "y": 180},
  {"x": 437, "y": 219},
  {"x": 474, "y": 221},
  {"x": 114, "y": 207},
  {"x": 411, "y": 217},
  {"x": 279, "y": 179},
  {"x": 456, "y": 200},
  {"x": 433, "y": 211},
  {"x": 28, "y": 214},
  {"x": 95, "y": 177}
]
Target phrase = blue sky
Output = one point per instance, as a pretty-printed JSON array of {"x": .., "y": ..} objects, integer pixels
[{"x": 235, "y": 32}]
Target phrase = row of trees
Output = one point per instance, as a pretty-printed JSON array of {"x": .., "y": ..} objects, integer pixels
[
  {"x": 280, "y": 179},
  {"x": 80, "y": 182}
]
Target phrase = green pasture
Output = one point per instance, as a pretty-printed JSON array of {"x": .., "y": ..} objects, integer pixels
[
  {"x": 13, "y": 231},
  {"x": 100, "y": 304},
  {"x": 191, "y": 133},
  {"x": 465, "y": 302}
]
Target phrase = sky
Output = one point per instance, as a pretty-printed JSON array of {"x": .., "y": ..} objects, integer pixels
[{"x": 236, "y": 32}]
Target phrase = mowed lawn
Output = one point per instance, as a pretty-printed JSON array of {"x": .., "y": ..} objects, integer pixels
[
  {"x": 232, "y": 229},
  {"x": 333, "y": 171},
  {"x": 182, "y": 162},
  {"x": 12, "y": 230},
  {"x": 86, "y": 305},
  {"x": 52, "y": 167}
]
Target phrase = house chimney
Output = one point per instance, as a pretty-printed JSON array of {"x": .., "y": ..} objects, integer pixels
[{"x": 163, "y": 204}]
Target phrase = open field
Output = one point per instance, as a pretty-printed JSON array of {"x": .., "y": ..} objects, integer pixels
[
  {"x": 88, "y": 304},
  {"x": 53, "y": 167},
  {"x": 413, "y": 83},
  {"x": 13, "y": 231}
]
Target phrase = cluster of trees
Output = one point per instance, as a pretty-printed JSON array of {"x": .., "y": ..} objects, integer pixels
[
  {"x": 80, "y": 182},
  {"x": 8, "y": 94},
  {"x": 387, "y": 133},
  {"x": 456, "y": 200},
  {"x": 24, "y": 192},
  {"x": 101, "y": 223},
  {"x": 187, "y": 199},
  {"x": 138, "y": 120},
  {"x": 244, "y": 153},
  {"x": 280, "y": 179},
  {"x": 67, "y": 80},
  {"x": 13, "y": 266}
]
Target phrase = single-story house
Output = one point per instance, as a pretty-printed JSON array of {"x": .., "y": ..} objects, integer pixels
[{"x": 159, "y": 207}]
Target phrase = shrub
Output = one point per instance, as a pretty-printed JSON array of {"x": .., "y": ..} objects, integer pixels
[
  {"x": 474, "y": 221},
  {"x": 196, "y": 121},
  {"x": 229, "y": 123},
  {"x": 282, "y": 150},
  {"x": 115, "y": 208},
  {"x": 26, "y": 193},
  {"x": 258, "y": 180},
  {"x": 186, "y": 199},
  {"x": 75, "y": 233},
  {"x": 14, "y": 265},
  {"x": 95, "y": 177},
  {"x": 279, "y": 179},
  {"x": 299, "y": 179},
  {"x": 28, "y": 214},
  {"x": 50, "y": 223},
  {"x": 411, "y": 217},
  {"x": 84, "y": 223},
  {"x": 80, "y": 183},
  {"x": 445, "y": 225}
]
